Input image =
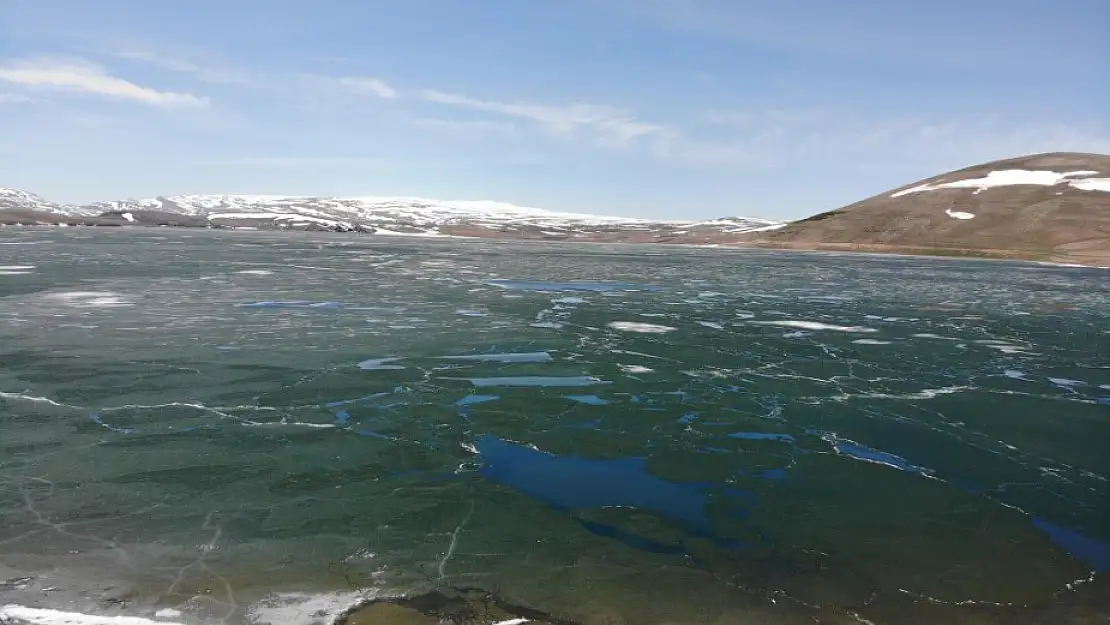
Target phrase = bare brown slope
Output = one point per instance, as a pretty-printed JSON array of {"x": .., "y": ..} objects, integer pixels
[{"x": 1057, "y": 222}]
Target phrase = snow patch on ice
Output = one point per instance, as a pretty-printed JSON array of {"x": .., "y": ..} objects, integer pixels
[
  {"x": 46, "y": 616},
  {"x": 292, "y": 608},
  {"x": 91, "y": 299},
  {"x": 638, "y": 327},
  {"x": 814, "y": 325}
]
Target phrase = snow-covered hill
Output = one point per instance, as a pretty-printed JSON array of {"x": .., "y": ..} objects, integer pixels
[
  {"x": 387, "y": 215},
  {"x": 16, "y": 200}
]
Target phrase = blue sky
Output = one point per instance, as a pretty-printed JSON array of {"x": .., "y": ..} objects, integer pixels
[{"x": 654, "y": 108}]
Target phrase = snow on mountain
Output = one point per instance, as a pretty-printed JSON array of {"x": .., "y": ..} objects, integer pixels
[
  {"x": 14, "y": 199},
  {"x": 408, "y": 216},
  {"x": 1009, "y": 177},
  {"x": 413, "y": 212},
  {"x": 737, "y": 225},
  {"x": 396, "y": 215},
  {"x": 17, "y": 200}
]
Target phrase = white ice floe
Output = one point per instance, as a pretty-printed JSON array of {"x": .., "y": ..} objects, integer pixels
[
  {"x": 45, "y": 616},
  {"x": 928, "y": 393},
  {"x": 642, "y": 328},
  {"x": 165, "y": 613},
  {"x": 958, "y": 214},
  {"x": 870, "y": 342},
  {"x": 294, "y": 608},
  {"x": 634, "y": 369},
  {"x": 255, "y": 272},
  {"x": 128, "y": 217},
  {"x": 929, "y": 335},
  {"x": 91, "y": 299},
  {"x": 1011, "y": 177},
  {"x": 380, "y": 364},
  {"x": 711, "y": 324},
  {"x": 814, "y": 325}
]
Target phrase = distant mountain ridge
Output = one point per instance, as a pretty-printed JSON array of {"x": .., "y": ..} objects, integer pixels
[
  {"x": 1052, "y": 206},
  {"x": 404, "y": 216}
]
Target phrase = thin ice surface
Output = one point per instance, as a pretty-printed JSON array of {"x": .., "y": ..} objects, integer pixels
[{"x": 162, "y": 431}]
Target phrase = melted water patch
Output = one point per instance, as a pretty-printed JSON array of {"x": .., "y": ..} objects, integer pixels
[
  {"x": 570, "y": 483},
  {"x": 857, "y": 451},
  {"x": 381, "y": 364},
  {"x": 516, "y": 357},
  {"x": 471, "y": 400},
  {"x": 590, "y": 400},
  {"x": 1094, "y": 553},
  {"x": 762, "y": 436},
  {"x": 536, "y": 380}
]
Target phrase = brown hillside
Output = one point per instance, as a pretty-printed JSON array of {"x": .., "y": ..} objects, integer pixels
[{"x": 1055, "y": 222}]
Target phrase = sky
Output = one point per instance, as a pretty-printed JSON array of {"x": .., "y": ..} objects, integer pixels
[{"x": 647, "y": 108}]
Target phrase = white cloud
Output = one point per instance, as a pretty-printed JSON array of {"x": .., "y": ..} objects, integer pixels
[
  {"x": 362, "y": 85},
  {"x": 204, "y": 73},
  {"x": 82, "y": 76},
  {"x": 16, "y": 98},
  {"x": 611, "y": 126}
]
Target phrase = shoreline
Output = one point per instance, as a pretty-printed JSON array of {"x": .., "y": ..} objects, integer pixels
[
  {"x": 468, "y": 605},
  {"x": 1098, "y": 260}
]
